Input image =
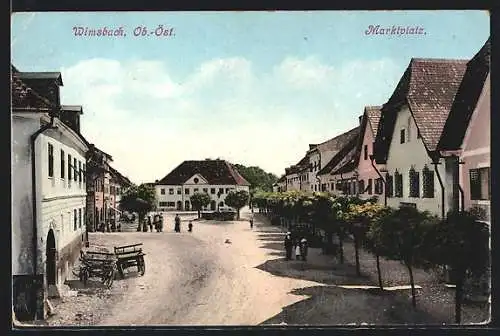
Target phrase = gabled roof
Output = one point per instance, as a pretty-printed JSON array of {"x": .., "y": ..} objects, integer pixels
[
  {"x": 72, "y": 108},
  {"x": 55, "y": 76},
  {"x": 350, "y": 165},
  {"x": 428, "y": 87},
  {"x": 123, "y": 179},
  {"x": 373, "y": 113},
  {"x": 24, "y": 97},
  {"x": 216, "y": 172},
  {"x": 339, "y": 144},
  {"x": 466, "y": 99}
]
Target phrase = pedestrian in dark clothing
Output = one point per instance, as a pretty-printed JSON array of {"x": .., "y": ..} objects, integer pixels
[
  {"x": 177, "y": 224},
  {"x": 288, "y": 246},
  {"x": 160, "y": 223},
  {"x": 190, "y": 227}
]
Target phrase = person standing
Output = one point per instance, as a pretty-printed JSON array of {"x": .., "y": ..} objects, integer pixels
[
  {"x": 150, "y": 224},
  {"x": 288, "y": 246},
  {"x": 177, "y": 223},
  {"x": 251, "y": 221},
  {"x": 297, "y": 251},
  {"x": 303, "y": 248},
  {"x": 190, "y": 226}
]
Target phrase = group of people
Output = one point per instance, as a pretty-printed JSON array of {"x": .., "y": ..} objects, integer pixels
[
  {"x": 297, "y": 245},
  {"x": 156, "y": 222},
  {"x": 177, "y": 226}
]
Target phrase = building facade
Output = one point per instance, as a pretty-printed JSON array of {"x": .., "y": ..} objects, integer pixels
[
  {"x": 410, "y": 127},
  {"x": 49, "y": 191},
  {"x": 213, "y": 177},
  {"x": 370, "y": 180}
]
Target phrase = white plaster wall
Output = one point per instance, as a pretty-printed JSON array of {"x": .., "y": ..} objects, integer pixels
[
  {"x": 23, "y": 126},
  {"x": 412, "y": 153},
  {"x": 183, "y": 197}
]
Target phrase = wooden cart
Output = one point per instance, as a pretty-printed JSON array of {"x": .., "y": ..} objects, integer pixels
[
  {"x": 97, "y": 264},
  {"x": 130, "y": 256}
]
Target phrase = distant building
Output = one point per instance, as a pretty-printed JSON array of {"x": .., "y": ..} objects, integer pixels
[
  {"x": 213, "y": 177},
  {"x": 48, "y": 191}
]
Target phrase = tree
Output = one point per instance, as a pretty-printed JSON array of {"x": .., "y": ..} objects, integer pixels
[
  {"x": 257, "y": 177},
  {"x": 401, "y": 233},
  {"x": 237, "y": 199},
  {"x": 140, "y": 199},
  {"x": 461, "y": 242},
  {"x": 200, "y": 200},
  {"x": 359, "y": 218}
]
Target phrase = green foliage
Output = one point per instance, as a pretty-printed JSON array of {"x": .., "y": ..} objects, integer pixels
[
  {"x": 400, "y": 232},
  {"x": 257, "y": 177},
  {"x": 459, "y": 241},
  {"x": 237, "y": 199},
  {"x": 199, "y": 200},
  {"x": 140, "y": 199}
]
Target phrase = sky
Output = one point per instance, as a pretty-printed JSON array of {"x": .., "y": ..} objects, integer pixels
[{"x": 254, "y": 88}]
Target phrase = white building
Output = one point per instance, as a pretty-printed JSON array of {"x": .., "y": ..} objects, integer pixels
[
  {"x": 48, "y": 188},
  {"x": 410, "y": 127},
  {"x": 214, "y": 177}
]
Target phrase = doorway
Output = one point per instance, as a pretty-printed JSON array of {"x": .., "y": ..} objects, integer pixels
[
  {"x": 179, "y": 205},
  {"x": 50, "y": 265},
  {"x": 213, "y": 205}
]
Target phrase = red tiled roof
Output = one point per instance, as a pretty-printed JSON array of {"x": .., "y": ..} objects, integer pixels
[
  {"x": 466, "y": 99},
  {"x": 216, "y": 172},
  {"x": 342, "y": 144},
  {"x": 428, "y": 87}
]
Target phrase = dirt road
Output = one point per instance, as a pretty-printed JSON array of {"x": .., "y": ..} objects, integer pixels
[{"x": 200, "y": 279}]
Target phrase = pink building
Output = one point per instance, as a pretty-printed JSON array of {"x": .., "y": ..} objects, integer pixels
[
  {"x": 370, "y": 183},
  {"x": 468, "y": 136}
]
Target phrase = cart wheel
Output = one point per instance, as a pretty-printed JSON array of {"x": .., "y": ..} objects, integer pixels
[{"x": 142, "y": 267}]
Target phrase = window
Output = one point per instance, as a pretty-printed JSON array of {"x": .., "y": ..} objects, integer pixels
[
  {"x": 74, "y": 220},
  {"x": 84, "y": 216},
  {"x": 221, "y": 191},
  {"x": 196, "y": 180},
  {"x": 205, "y": 190},
  {"x": 365, "y": 152},
  {"x": 70, "y": 176},
  {"x": 212, "y": 190},
  {"x": 79, "y": 218},
  {"x": 332, "y": 186},
  {"x": 51, "y": 160},
  {"x": 389, "y": 185},
  {"x": 171, "y": 191},
  {"x": 80, "y": 171},
  {"x": 74, "y": 168},
  {"x": 361, "y": 186},
  {"x": 315, "y": 187},
  {"x": 164, "y": 204},
  {"x": 414, "y": 178},
  {"x": 63, "y": 165},
  {"x": 480, "y": 184},
  {"x": 162, "y": 191},
  {"x": 323, "y": 186},
  {"x": 84, "y": 172},
  {"x": 112, "y": 190},
  {"x": 398, "y": 184},
  {"x": 195, "y": 190},
  {"x": 186, "y": 191},
  {"x": 370, "y": 186},
  {"x": 227, "y": 190},
  {"x": 379, "y": 186},
  {"x": 338, "y": 185},
  {"x": 179, "y": 191},
  {"x": 402, "y": 136},
  {"x": 428, "y": 183}
]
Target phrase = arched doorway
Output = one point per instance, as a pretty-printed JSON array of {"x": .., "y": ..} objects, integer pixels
[
  {"x": 186, "y": 205},
  {"x": 50, "y": 265},
  {"x": 213, "y": 205},
  {"x": 179, "y": 205}
]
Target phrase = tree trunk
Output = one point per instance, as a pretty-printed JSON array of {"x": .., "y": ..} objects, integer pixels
[
  {"x": 412, "y": 283},
  {"x": 460, "y": 275},
  {"x": 238, "y": 214},
  {"x": 379, "y": 272},
  {"x": 356, "y": 253},
  {"x": 341, "y": 248}
]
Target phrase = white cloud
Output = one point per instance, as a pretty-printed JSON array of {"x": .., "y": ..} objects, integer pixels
[{"x": 150, "y": 123}]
